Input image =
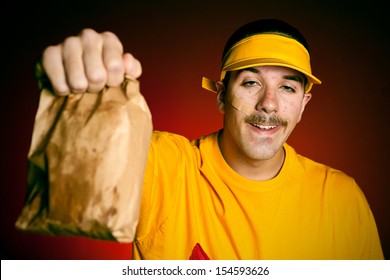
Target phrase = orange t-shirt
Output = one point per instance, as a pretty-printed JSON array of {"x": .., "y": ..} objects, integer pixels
[{"x": 191, "y": 195}]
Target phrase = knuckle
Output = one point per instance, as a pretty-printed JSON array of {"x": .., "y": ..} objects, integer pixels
[
  {"x": 50, "y": 51},
  {"x": 78, "y": 85},
  {"x": 115, "y": 66},
  {"x": 90, "y": 37},
  {"x": 88, "y": 32},
  {"x": 61, "y": 91},
  {"x": 138, "y": 73},
  {"x": 97, "y": 77},
  {"x": 109, "y": 36},
  {"x": 71, "y": 42},
  {"x": 133, "y": 66},
  {"x": 60, "y": 87},
  {"x": 50, "y": 55},
  {"x": 138, "y": 65}
]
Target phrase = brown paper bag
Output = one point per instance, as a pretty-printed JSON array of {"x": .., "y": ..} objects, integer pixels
[{"x": 86, "y": 164}]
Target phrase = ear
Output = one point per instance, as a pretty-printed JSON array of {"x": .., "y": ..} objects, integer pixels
[
  {"x": 305, "y": 100},
  {"x": 220, "y": 96}
]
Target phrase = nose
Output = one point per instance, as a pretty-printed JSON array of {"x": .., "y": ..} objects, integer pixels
[{"x": 268, "y": 101}]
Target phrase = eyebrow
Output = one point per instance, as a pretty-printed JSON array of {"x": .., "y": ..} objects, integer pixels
[
  {"x": 250, "y": 69},
  {"x": 297, "y": 78}
]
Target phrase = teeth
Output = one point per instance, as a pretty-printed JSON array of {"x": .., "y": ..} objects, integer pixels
[{"x": 265, "y": 127}]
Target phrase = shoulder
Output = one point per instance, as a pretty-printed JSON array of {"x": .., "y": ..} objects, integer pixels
[
  {"x": 317, "y": 170},
  {"x": 164, "y": 138},
  {"x": 169, "y": 142},
  {"x": 322, "y": 174},
  {"x": 335, "y": 184},
  {"x": 161, "y": 137},
  {"x": 174, "y": 146}
]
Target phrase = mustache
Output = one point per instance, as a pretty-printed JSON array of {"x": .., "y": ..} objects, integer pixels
[{"x": 265, "y": 120}]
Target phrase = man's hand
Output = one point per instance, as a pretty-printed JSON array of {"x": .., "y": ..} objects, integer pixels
[{"x": 87, "y": 62}]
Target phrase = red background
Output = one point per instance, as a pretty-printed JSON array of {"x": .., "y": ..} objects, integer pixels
[{"x": 345, "y": 124}]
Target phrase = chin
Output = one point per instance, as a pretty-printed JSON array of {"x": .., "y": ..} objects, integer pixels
[{"x": 262, "y": 153}]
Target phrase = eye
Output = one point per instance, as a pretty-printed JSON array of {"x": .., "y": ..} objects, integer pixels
[
  {"x": 288, "y": 89},
  {"x": 250, "y": 83}
]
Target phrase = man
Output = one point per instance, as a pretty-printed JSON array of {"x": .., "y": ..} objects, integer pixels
[{"x": 241, "y": 192}]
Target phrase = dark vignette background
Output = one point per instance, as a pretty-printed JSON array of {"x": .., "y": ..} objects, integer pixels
[{"x": 345, "y": 124}]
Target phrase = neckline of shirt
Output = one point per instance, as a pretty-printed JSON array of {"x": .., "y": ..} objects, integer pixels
[{"x": 215, "y": 161}]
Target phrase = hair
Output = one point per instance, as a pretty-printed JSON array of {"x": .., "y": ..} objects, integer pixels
[{"x": 263, "y": 26}]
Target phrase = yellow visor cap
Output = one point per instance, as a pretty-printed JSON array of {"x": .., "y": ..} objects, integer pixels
[{"x": 266, "y": 50}]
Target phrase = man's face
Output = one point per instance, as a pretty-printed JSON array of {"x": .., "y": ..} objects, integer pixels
[{"x": 268, "y": 103}]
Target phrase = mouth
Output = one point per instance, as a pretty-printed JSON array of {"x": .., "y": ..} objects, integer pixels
[
  {"x": 263, "y": 127},
  {"x": 263, "y": 123}
]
